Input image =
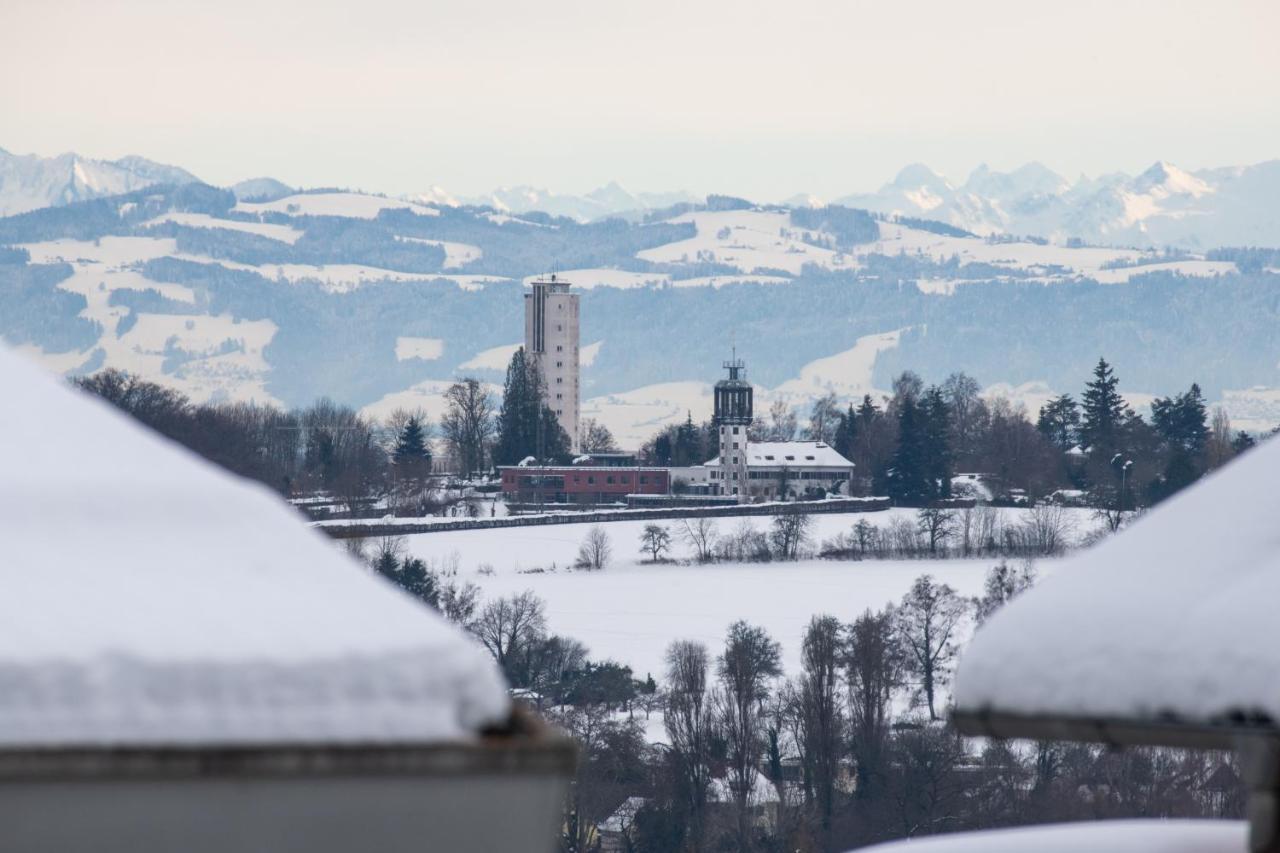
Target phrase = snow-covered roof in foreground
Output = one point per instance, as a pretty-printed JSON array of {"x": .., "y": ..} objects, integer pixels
[
  {"x": 1171, "y": 622},
  {"x": 1107, "y": 836},
  {"x": 149, "y": 598}
]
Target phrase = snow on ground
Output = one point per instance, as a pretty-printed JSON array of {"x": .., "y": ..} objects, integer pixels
[
  {"x": 634, "y": 416},
  {"x": 205, "y": 357},
  {"x": 1102, "y": 836},
  {"x": 718, "y": 281},
  {"x": 494, "y": 358},
  {"x": 587, "y": 355},
  {"x": 427, "y": 395},
  {"x": 427, "y": 349},
  {"x": 334, "y": 278},
  {"x": 272, "y": 231},
  {"x": 354, "y": 205},
  {"x": 749, "y": 240},
  {"x": 586, "y": 279},
  {"x": 630, "y": 611},
  {"x": 1206, "y": 269},
  {"x": 847, "y": 373},
  {"x": 900, "y": 238},
  {"x": 1254, "y": 409},
  {"x": 456, "y": 255}
]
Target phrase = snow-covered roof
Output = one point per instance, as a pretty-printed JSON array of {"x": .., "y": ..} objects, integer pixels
[
  {"x": 1103, "y": 836},
  {"x": 150, "y": 598},
  {"x": 623, "y": 816},
  {"x": 762, "y": 791},
  {"x": 791, "y": 454},
  {"x": 1169, "y": 625}
]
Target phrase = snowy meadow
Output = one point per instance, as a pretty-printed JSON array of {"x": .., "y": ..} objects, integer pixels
[{"x": 632, "y": 609}]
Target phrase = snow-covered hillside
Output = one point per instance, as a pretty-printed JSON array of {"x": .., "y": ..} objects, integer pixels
[{"x": 333, "y": 293}]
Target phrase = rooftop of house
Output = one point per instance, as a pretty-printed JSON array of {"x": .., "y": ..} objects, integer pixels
[
  {"x": 153, "y": 599},
  {"x": 1164, "y": 629},
  {"x": 791, "y": 454}
]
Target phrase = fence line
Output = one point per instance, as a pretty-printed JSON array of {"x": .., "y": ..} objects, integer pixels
[{"x": 353, "y": 530}]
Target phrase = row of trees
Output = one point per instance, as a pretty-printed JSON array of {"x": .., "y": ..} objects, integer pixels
[
  {"x": 909, "y": 445},
  {"x": 327, "y": 447},
  {"x": 848, "y": 751}
]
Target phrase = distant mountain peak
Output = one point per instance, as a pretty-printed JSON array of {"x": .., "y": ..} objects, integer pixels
[{"x": 29, "y": 182}]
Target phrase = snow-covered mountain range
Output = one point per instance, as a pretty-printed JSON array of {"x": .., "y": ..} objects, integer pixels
[
  {"x": 1163, "y": 206},
  {"x": 29, "y": 182}
]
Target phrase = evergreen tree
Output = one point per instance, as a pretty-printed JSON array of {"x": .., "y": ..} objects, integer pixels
[
  {"x": 1059, "y": 422},
  {"x": 937, "y": 445},
  {"x": 1105, "y": 412},
  {"x": 686, "y": 448},
  {"x": 908, "y": 476},
  {"x": 527, "y": 427},
  {"x": 412, "y": 456},
  {"x": 846, "y": 433}
]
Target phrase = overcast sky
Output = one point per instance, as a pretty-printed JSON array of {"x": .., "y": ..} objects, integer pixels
[{"x": 756, "y": 99}]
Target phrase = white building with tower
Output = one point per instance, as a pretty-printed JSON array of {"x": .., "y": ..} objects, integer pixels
[
  {"x": 772, "y": 470},
  {"x": 551, "y": 341}
]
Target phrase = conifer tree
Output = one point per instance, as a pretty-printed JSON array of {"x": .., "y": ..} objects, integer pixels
[
  {"x": 412, "y": 456},
  {"x": 846, "y": 433},
  {"x": 1105, "y": 412},
  {"x": 526, "y": 426},
  {"x": 937, "y": 443},
  {"x": 908, "y": 477}
]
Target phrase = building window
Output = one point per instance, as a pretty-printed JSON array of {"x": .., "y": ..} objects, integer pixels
[
  {"x": 735, "y": 476},
  {"x": 609, "y": 479},
  {"x": 559, "y": 348},
  {"x": 559, "y": 396},
  {"x": 561, "y": 364},
  {"x": 591, "y": 481},
  {"x": 644, "y": 480},
  {"x": 735, "y": 430},
  {"x": 626, "y": 480},
  {"x": 789, "y": 458},
  {"x": 559, "y": 381},
  {"x": 735, "y": 445}
]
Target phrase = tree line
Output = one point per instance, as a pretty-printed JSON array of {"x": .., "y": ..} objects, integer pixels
[
  {"x": 911, "y": 444},
  {"x": 851, "y": 749}
]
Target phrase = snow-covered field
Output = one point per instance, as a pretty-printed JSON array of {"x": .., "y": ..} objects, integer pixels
[
  {"x": 631, "y": 611},
  {"x": 355, "y": 205}
]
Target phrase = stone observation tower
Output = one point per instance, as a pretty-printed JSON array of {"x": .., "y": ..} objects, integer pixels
[
  {"x": 732, "y": 417},
  {"x": 551, "y": 341}
]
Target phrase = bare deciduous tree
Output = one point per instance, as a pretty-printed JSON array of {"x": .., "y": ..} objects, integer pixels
[
  {"x": 821, "y": 722},
  {"x": 873, "y": 670},
  {"x": 700, "y": 535},
  {"x": 594, "y": 437},
  {"x": 689, "y": 724},
  {"x": 655, "y": 540},
  {"x": 936, "y": 526},
  {"x": 507, "y": 626},
  {"x": 468, "y": 423},
  {"x": 750, "y": 659},
  {"x": 595, "y": 550},
  {"x": 790, "y": 531},
  {"x": 929, "y": 619}
]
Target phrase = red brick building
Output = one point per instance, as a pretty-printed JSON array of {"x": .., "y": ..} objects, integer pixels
[{"x": 581, "y": 484}]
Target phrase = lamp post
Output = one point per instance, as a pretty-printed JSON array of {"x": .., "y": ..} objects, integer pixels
[{"x": 1118, "y": 461}]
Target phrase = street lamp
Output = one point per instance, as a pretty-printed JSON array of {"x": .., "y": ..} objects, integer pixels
[{"x": 1118, "y": 461}]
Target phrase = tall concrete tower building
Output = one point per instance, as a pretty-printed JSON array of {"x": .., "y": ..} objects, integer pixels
[
  {"x": 733, "y": 414},
  {"x": 551, "y": 340}
]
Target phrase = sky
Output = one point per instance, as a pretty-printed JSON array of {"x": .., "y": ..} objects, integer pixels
[{"x": 762, "y": 100}]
